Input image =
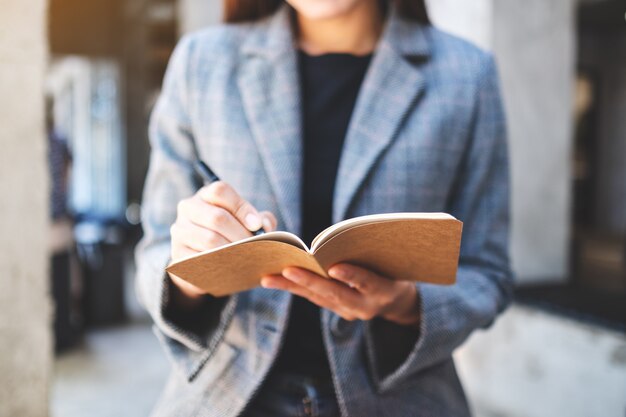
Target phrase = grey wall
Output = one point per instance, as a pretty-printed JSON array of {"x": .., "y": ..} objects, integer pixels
[
  {"x": 472, "y": 20},
  {"x": 195, "y": 14},
  {"x": 534, "y": 44},
  {"x": 25, "y": 343}
]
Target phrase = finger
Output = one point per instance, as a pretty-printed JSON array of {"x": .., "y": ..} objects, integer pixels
[
  {"x": 196, "y": 237},
  {"x": 223, "y": 195},
  {"x": 324, "y": 287},
  {"x": 214, "y": 218},
  {"x": 269, "y": 221},
  {"x": 182, "y": 251},
  {"x": 361, "y": 279},
  {"x": 279, "y": 282},
  {"x": 188, "y": 289}
]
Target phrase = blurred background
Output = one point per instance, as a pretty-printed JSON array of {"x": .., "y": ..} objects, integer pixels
[{"x": 78, "y": 80}]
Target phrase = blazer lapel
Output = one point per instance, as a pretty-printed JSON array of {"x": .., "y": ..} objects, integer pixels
[
  {"x": 390, "y": 88},
  {"x": 269, "y": 85}
]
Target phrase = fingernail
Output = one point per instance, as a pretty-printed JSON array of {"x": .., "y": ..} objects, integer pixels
[
  {"x": 290, "y": 275},
  {"x": 267, "y": 224},
  {"x": 336, "y": 272},
  {"x": 266, "y": 282},
  {"x": 253, "y": 222}
]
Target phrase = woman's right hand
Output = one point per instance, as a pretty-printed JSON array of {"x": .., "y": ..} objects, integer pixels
[{"x": 215, "y": 216}]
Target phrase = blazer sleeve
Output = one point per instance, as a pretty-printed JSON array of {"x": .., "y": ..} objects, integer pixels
[
  {"x": 170, "y": 179},
  {"x": 484, "y": 284}
]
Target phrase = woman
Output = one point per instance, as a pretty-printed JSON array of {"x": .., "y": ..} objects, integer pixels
[{"x": 313, "y": 111}]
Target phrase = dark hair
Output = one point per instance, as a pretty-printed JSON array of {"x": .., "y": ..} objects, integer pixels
[{"x": 248, "y": 10}]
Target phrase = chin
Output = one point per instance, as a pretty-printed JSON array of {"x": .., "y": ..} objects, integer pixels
[{"x": 323, "y": 9}]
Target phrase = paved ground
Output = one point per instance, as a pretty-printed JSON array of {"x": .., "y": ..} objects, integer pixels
[{"x": 117, "y": 372}]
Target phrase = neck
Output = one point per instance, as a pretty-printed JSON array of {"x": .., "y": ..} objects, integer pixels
[{"x": 355, "y": 32}]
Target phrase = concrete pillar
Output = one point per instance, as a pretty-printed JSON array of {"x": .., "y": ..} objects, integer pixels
[
  {"x": 25, "y": 340},
  {"x": 533, "y": 42},
  {"x": 472, "y": 20},
  {"x": 196, "y": 14}
]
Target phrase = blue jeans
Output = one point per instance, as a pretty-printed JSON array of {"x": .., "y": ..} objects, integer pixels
[{"x": 290, "y": 395}]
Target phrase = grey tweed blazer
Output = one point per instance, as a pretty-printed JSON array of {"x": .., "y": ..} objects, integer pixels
[{"x": 427, "y": 134}]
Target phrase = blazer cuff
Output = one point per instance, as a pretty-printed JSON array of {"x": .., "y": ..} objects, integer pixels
[
  {"x": 428, "y": 346},
  {"x": 188, "y": 339},
  {"x": 388, "y": 346},
  {"x": 191, "y": 328}
]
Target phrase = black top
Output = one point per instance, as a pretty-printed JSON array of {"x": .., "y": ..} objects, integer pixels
[{"x": 329, "y": 87}]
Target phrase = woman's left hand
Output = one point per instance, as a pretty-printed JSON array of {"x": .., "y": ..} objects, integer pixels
[{"x": 354, "y": 293}]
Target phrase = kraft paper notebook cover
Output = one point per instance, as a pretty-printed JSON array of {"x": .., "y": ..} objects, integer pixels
[{"x": 421, "y": 247}]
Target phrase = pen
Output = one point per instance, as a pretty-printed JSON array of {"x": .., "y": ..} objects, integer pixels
[{"x": 208, "y": 176}]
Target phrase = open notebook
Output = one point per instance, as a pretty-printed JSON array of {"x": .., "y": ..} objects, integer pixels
[{"x": 420, "y": 247}]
